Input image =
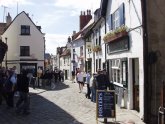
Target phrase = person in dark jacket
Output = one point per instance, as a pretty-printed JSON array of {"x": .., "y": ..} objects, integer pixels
[
  {"x": 22, "y": 104},
  {"x": 102, "y": 80}
]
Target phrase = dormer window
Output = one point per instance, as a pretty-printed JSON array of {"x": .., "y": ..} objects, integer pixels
[{"x": 25, "y": 30}]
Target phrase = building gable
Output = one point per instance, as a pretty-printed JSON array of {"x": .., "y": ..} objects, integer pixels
[{"x": 24, "y": 19}]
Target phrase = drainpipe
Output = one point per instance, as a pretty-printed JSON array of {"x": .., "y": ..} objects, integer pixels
[
  {"x": 105, "y": 33},
  {"x": 85, "y": 55},
  {"x": 147, "y": 103}
]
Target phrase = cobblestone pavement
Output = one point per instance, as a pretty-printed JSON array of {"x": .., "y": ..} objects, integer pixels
[{"x": 62, "y": 105}]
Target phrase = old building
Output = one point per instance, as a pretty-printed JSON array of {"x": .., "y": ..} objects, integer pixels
[
  {"x": 26, "y": 44},
  {"x": 78, "y": 47},
  {"x": 124, "y": 51}
]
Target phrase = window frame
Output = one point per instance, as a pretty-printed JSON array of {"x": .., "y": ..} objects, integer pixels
[
  {"x": 25, "y": 29},
  {"x": 24, "y": 51}
]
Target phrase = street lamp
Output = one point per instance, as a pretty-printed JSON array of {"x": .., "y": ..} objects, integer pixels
[{"x": 6, "y": 53}]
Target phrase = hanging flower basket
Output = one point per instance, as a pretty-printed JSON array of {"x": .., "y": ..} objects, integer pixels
[
  {"x": 116, "y": 34},
  {"x": 96, "y": 48}
]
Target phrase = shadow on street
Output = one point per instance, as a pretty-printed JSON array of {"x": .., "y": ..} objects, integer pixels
[
  {"x": 52, "y": 86},
  {"x": 42, "y": 112}
]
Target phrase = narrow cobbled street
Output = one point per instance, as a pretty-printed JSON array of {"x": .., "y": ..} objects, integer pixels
[{"x": 62, "y": 105}]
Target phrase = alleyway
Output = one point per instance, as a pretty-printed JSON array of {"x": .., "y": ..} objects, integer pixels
[{"x": 63, "y": 105}]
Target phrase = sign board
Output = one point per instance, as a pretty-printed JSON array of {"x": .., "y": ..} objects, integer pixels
[{"x": 105, "y": 104}]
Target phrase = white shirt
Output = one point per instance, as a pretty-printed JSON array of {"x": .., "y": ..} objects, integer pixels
[{"x": 80, "y": 77}]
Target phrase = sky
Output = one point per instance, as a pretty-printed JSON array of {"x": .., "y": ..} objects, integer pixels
[{"x": 57, "y": 18}]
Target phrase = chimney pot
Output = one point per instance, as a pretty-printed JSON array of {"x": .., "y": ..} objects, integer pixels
[
  {"x": 8, "y": 19},
  {"x": 69, "y": 39}
]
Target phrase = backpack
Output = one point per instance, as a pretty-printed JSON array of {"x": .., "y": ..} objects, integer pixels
[{"x": 8, "y": 85}]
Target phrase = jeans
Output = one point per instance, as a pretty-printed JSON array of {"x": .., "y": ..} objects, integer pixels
[{"x": 93, "y": 97}]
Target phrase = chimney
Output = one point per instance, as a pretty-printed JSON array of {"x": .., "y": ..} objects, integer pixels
[
  {"x": 85, "y": 18},
  {"x": 8, "y": 19},
  {"x": 74, "y": 32},
  {"x": 69, "y": 39}
]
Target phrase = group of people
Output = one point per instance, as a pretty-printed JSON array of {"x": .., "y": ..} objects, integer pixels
[
  {"x": 12, "y": 83},
  {"x": 95, "y": 81},
  {"x": 58, "y": 75}
]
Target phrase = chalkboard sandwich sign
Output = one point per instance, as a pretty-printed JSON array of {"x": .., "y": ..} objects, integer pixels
[{"x": 105, "y": 104}]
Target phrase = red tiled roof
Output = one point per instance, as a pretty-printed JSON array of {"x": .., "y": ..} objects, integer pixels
[{"x": 66, "y": 52}]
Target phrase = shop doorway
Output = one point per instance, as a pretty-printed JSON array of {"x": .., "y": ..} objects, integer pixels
[
  {"x": 30, "y": 67},
  {"x": 135, "y": 74}
]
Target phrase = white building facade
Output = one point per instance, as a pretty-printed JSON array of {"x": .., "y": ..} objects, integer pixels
[
  {"x": 125, "y": 52},
  {"x": 26, "y": 44}
]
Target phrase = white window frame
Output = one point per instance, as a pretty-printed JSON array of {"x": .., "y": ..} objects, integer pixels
[{"x": 116, "y": 71}]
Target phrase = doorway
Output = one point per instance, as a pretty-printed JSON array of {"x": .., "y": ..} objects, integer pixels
[
  {"x": 135, "y": 79},
  {"x": 66, "y": 74},
  {"x": 29, "y": 66}
]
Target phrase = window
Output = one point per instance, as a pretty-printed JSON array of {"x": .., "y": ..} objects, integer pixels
[
  {"x": 115, "y": 64},
  {"x": 74, "y": 54},
  {"x": 81, "y": 51},
  {"x": 24, "y": 51},
  {"x": 96, "y": 64},
  {"x": 116, "y": 19},
  {"x": 119, "y": 72},
  {"x": 25, "y": 30},
  {"x": 99, "y": 63}
]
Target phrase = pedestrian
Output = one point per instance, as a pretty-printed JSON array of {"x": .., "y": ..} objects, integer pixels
[
  {"x": 23, "y": 102},
  {"x": 10, "y": 83},
  {"x": 88, "y": 77},
  {"x": 80, "y": 80},
  {"x": 93, "y": 87},
  {"x": 73, "y": 76},
  {"x": 62, "y": 75},
  {"x": 102, "y": 81},
  {"x": 1, "y": 84},
  {"x": 55, "y": 76},
  {"x": 108, "y": 84},
  {"x": 30, "y": 78},
  {"x": 59, "y": 75}
]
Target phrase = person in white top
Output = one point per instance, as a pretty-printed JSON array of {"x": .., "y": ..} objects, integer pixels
[{"x": 80, "y": 77}]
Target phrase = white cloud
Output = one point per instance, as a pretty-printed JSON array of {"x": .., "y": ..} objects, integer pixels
[
  {"x": 55, "y": 40},
  {"x": 14, "y": 2},
  {"x": 78, "y": 5},
  {"x": 48, "y": 19}
]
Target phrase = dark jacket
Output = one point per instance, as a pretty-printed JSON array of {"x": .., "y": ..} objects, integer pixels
[
  {"x": 22, "y": 83},
  {"x": 102, "y": 82}
]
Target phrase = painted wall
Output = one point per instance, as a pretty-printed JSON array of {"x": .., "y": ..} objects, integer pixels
[
  {"x": 133, "y": 20},
  {"x": 35, "y": 40}
]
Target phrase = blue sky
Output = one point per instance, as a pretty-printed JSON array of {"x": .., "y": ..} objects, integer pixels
[{"x": 58, "y": 18}]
